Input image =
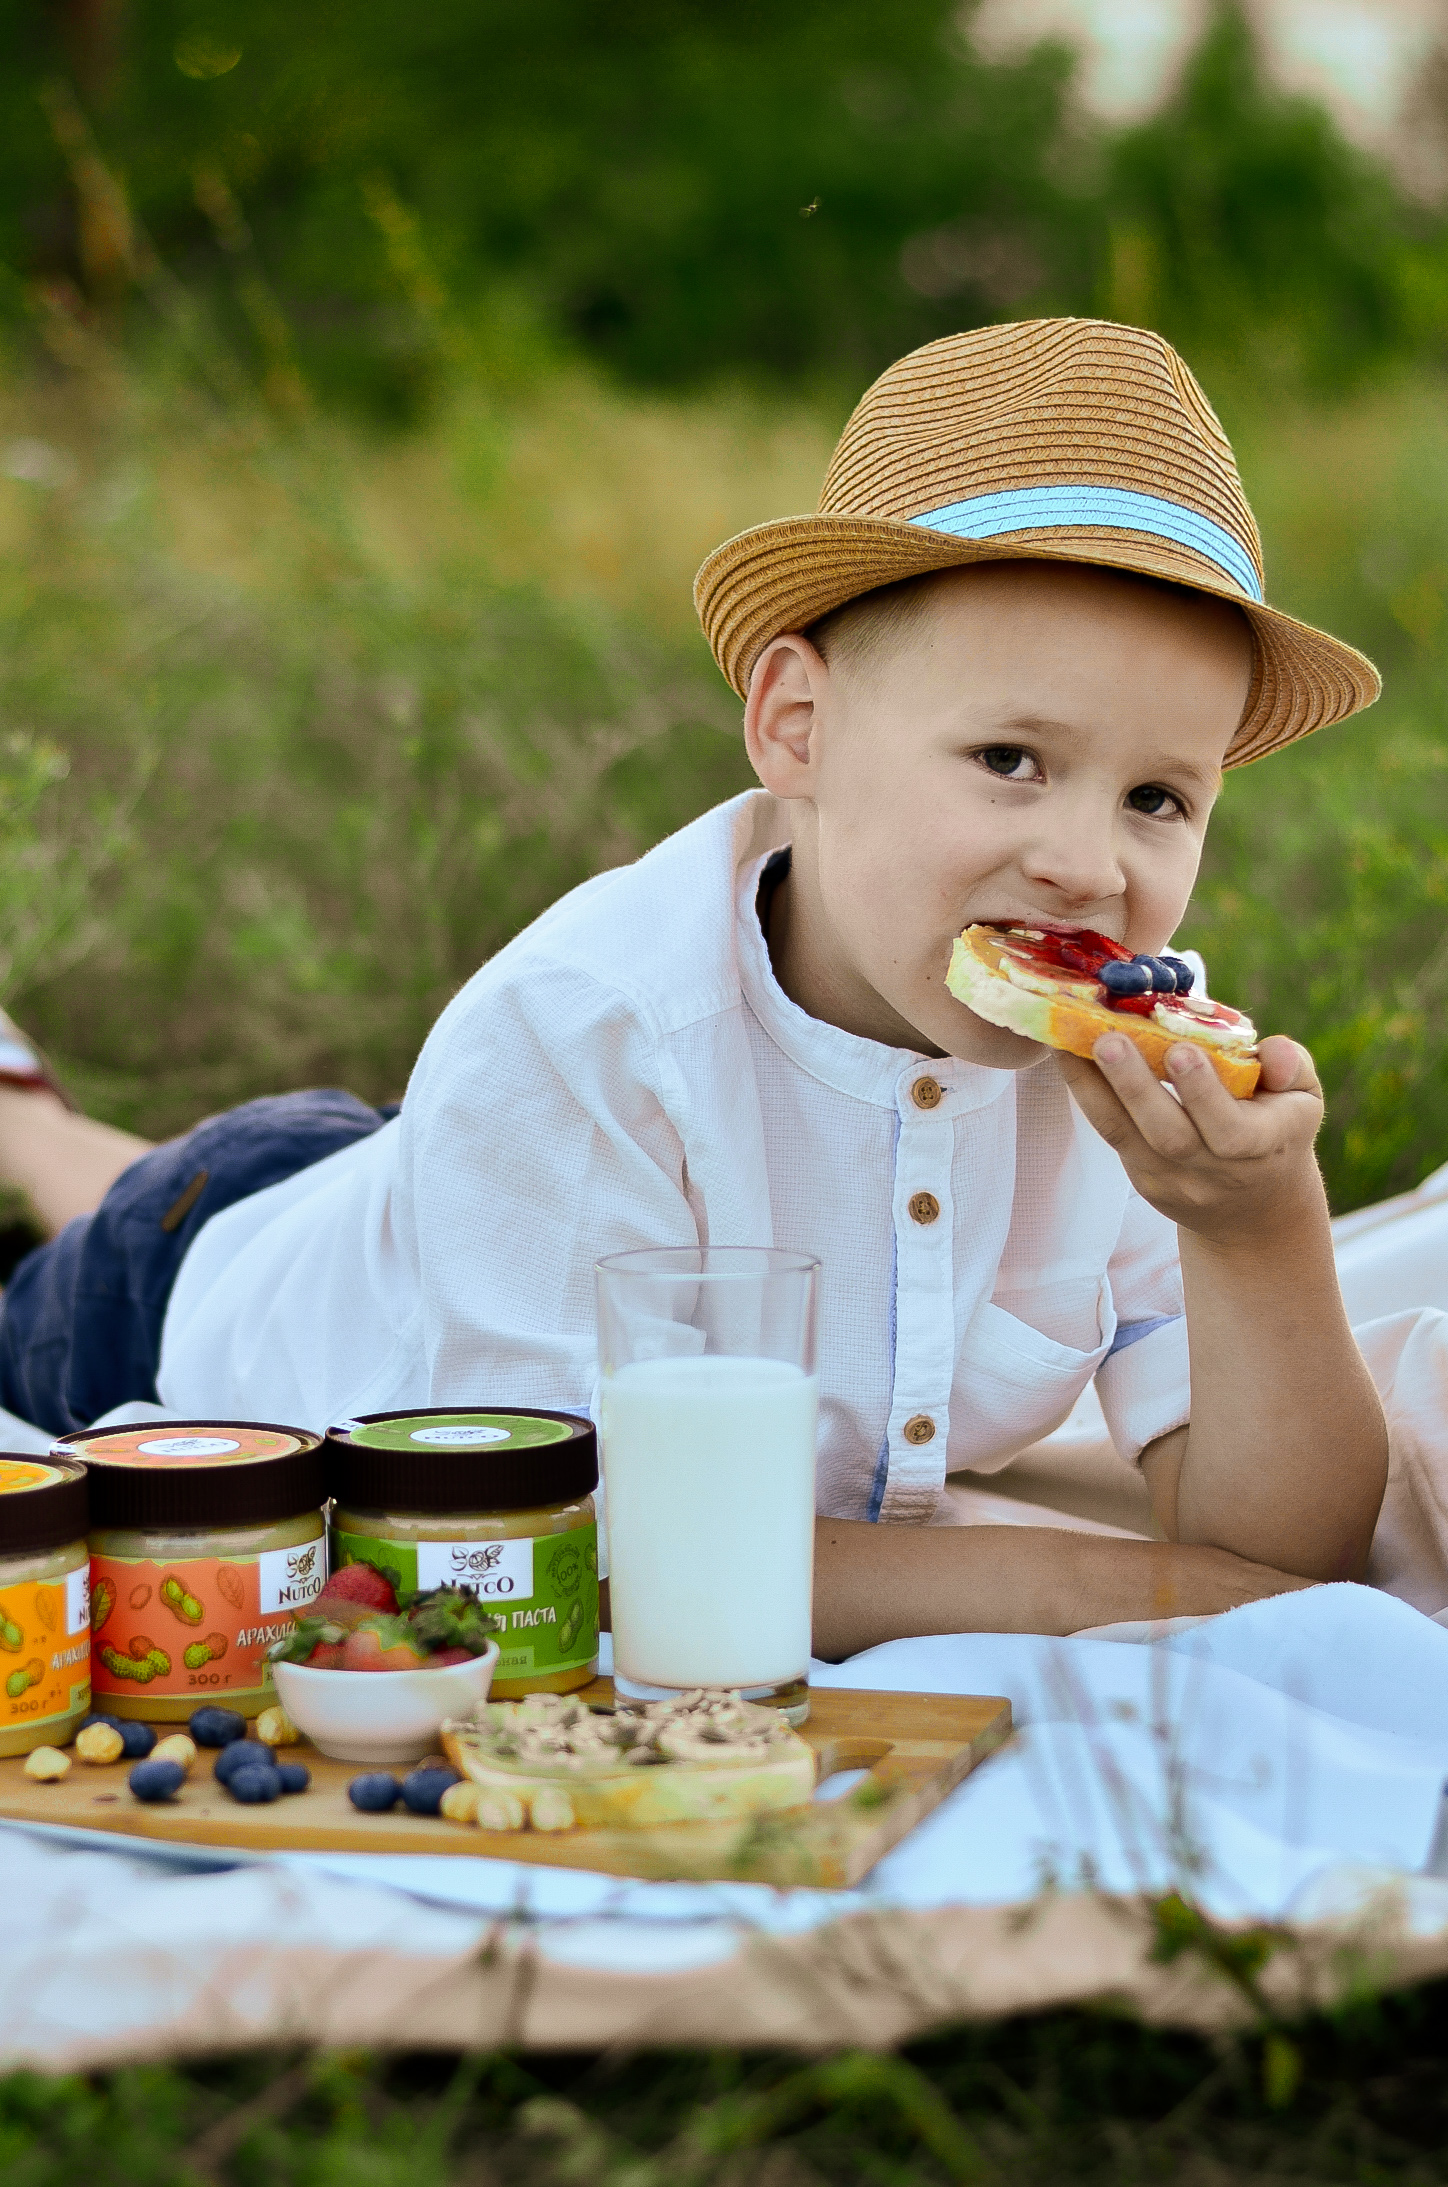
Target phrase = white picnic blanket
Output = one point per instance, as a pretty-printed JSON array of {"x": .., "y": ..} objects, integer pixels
[
  {"x": 1268, "y": 1761},
  {"x": 1286, "y": 1760}
]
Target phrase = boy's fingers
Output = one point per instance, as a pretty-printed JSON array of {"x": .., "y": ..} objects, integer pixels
[
  {"x": 1096, "y": 1101},
  {"x": 1286, "y": 1068},
  {"x": 1227, "y": 1126},
  {"x": 1141, "y": 1101},
  {"x": 1230, "y": 1128}
]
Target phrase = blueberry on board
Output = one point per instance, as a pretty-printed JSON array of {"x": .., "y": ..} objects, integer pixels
[
  {"x": 1185, "y": 976},
  {"x": 213, "y": 1727},
  {"x": 295, "y": 1776},
  {"x": 422, "y": 1789},
  {"x": 156, "y": 1780},
  {"x": 255, "y": 1785},
  {"x": 241, "y": 1754},
  {"x": 1125, "y": 979},
  {"x": 375, "y": 1793}
]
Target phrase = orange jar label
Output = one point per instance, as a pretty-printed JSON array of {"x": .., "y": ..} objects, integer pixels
[
  {"x": 44, "y": 1649},
  {"x": 196, "y": 1625}
]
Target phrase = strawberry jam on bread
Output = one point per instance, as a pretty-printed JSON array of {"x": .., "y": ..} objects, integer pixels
[{"x": 1065, "y": 989}]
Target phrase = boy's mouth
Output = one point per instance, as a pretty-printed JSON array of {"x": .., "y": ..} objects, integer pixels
[{"x": 1027, "y": 923}]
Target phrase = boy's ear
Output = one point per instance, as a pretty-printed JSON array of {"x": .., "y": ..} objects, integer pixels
[{"x": 781, "y": 715}]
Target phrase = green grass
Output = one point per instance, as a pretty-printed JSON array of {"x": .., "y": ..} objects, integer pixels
[
  {"x": 1081, "y": 2096},
  {"x": 1323, "y": 904},
  {"x": 268, "y": 797},
  {"x": 300, "y": 721}
]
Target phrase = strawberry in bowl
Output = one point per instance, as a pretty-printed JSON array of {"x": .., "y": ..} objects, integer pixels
[{"x": 434, "y": 1648}]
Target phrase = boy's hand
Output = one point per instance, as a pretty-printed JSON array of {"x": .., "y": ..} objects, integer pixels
[{"x": 1221, "y": 1168}]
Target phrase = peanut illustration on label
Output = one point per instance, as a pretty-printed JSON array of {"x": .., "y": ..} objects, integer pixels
[
  {"x": 19, "y": 1682},
  {"x": 571, "y": 1626},
  {"x": 139, "y": 1596},
  {"x": 202, "y": 1652},
  {"x": 12, "y": 1639},
  {"x": 179, "y": 1602},
  {"x": 155, "y": 1663},
  {"x": 47, "y": 1607},
  {"x": 102, "y": 1602},
  {"x": 228, "y": 1583}
]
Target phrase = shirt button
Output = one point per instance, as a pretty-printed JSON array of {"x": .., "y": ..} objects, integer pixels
[
  {"x": 919, "y": 1430},
  {"x": 924, "y": 1208},
  {"x": 926, "y": 1093}
]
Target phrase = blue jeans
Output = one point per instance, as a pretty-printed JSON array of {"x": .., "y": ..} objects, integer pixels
[{"x": 80, "y": 1319}]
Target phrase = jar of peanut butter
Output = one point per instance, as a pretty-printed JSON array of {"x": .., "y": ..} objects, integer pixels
[
  {"x": 207, "y": 1537},
  {"x": 44, "y": 1602},
  {"x": 497, "y": 1501}
]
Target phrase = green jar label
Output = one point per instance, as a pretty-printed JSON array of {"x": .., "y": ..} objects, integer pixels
[
  {"x": 491, "y": 1431},
  {"x": 543, "y": 1587}
]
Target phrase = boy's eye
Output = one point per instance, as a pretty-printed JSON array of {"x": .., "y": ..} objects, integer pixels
[
  {"x": 1012, "y": 762},
  {"x": 1151, "y": 799}
]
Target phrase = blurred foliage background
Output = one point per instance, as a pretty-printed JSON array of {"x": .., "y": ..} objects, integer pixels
[{"x": 372, "y": 381}]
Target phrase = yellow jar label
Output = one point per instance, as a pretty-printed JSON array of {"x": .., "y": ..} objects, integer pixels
[{"x": 44, "y": 1649}]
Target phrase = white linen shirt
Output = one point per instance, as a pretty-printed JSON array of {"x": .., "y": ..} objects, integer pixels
[{"x": 628, "y": 1072}]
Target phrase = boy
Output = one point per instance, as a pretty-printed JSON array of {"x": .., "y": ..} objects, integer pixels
[{"x": 995, "y": 678}]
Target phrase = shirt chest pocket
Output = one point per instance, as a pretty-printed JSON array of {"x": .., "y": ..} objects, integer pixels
[{"x": 1014, "y": 1384}]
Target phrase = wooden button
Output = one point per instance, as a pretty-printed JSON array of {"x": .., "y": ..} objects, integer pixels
[
  {"x": 919, "y": 1430},
  {"x": 924, "y": 1207},
  {"x": 926, "y": 1094}
]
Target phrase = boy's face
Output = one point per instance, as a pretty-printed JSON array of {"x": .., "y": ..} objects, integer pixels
[{"x": 1040, "y": 745}]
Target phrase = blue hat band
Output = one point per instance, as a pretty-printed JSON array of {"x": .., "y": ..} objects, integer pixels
[{"x": 1066, "y": 508}]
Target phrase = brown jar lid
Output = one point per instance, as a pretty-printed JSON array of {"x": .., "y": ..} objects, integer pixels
[
  {"x": 43, "y": 1503},
  {"x": 201, "y": 1473},
  {"x": 461, "y": 1459}
]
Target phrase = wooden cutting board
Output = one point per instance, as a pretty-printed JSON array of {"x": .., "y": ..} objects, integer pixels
[{"x": 916, "y": 1746}]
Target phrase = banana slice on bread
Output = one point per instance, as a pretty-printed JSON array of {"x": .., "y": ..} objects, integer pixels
[{"x": 1065, "y": 989}]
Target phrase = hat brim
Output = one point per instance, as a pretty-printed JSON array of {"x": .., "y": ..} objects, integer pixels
[{"x": 786, "y": 575}]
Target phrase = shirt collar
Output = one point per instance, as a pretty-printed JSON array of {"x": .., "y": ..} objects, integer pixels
[{"x": 867, "y": 1070}]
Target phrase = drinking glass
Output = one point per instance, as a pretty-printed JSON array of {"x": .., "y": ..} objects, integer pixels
[{"x": 709, "y": 1402}]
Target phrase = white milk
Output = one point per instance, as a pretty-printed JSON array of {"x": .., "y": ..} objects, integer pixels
[{"x": 709, "y": 1469}]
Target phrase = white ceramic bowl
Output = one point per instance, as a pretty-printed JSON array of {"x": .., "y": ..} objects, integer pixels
[{"x": 381, "y": 1716}]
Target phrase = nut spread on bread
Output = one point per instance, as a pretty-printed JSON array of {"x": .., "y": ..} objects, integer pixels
[{"x": 701, "y": 1756}]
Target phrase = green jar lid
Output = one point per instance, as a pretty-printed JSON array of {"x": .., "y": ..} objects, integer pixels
[
  {"x": 461, "y": 1459},
  {"x": 43, "y": 1503}
]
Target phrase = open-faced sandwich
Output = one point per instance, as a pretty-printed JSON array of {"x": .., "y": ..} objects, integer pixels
[
  {"x": 551, "y": 1762},
  {"x": 1066, "y": 987}
]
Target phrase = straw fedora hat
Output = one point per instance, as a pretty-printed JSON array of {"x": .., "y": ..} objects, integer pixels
[{"x": 1071, "y": 439}]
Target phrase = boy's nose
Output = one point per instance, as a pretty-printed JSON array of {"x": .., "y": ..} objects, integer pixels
[{"x": 1076, "y": 859}]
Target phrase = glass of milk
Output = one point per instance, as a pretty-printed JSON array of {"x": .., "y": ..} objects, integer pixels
[{"x": 709, "y": 1401}]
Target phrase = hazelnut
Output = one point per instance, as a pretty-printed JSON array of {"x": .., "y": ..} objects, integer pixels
[
  {"x": 460, "y": 1803},
  {"x": 552, "y": 1809},
  {"x": 46, "y": 1765},
  {"x": 99, "y": 1743},
  {"x": 499, "y": 1809},
  {"x": 275, "y": 1728}
]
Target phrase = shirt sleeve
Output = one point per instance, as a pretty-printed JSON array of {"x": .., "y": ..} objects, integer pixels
[
  {"x": 1144, "y": 1381},
  {"x": 535, "y": 1139}
]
